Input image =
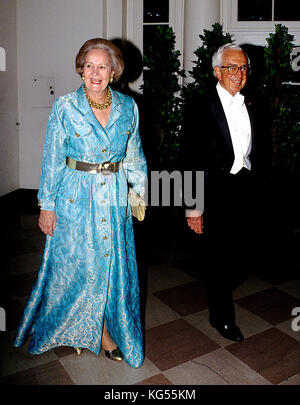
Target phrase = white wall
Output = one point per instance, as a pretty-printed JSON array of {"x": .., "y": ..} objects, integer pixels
[
  {"x": 50, "y": 34},
  {"x": 199, "y": 15},
  {"x": 9, "y": 145}
]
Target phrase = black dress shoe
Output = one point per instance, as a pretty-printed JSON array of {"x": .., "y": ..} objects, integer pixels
[{"x": 228, "y": 331}]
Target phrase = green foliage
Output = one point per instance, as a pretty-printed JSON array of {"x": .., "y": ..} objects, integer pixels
[
  {"x": 284, "y": 101},
  {"x": 161, "y": 90},
  {"x": 202, "y": 72},
  {"x": 165, "y": 97},
  {"x": 277, "y": 56}
]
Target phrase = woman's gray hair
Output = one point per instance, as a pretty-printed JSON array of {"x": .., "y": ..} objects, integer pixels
[
  {"x": 218, "y": 55},
  {"x": 113, "y": 51}
]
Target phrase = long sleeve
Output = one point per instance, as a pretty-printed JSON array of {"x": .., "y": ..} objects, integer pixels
[
  {"x": 134, "y": 162},
  {"x": 54, "y": 159}
]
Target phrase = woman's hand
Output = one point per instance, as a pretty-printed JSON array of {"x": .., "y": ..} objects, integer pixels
[
  {"x": 47, "y": 222},
  {"x": 195, "y": 223}
]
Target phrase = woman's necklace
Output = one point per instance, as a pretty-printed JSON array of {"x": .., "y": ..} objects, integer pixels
[{"x": 99, "y": 106}]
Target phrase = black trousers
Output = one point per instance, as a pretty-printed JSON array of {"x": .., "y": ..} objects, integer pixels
[{"x": 230, "y": 215}]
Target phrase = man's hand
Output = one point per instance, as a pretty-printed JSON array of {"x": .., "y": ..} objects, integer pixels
[
  {"x": 195, "y": 223},
  {"x": 47, "y": 222}
]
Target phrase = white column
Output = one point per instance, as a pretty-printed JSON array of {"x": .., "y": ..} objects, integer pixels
[
  {"x": 113, "y": 19},
  {"x": 199, "y": 15},
  {"x": 133, "y": 30},
  {"x": 133, "y": 22}
]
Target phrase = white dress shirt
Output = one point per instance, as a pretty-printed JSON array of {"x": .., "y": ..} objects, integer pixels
[
  {"x": 240, "y": 131},
  {"x": 239, "y": 126}
]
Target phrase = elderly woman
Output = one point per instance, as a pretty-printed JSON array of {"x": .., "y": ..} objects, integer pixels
[{"x": 87, "y": 292}]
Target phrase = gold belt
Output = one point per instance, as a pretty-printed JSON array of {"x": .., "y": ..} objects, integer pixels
[{"x": 104, "y": 168}]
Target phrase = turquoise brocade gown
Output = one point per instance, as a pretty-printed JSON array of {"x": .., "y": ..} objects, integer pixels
[{"x": 88, "y": 274}]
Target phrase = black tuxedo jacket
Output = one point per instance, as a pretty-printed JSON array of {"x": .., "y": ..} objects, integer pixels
[
  {"x": 206, "y": 142},
  {"x": 207, "y": 146}
]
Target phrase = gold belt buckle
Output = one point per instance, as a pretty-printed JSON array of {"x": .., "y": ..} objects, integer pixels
[{"x": 103, "y": 168}]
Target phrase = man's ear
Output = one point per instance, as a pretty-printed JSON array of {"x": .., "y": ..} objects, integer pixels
[{"x": 217, "y": 72}]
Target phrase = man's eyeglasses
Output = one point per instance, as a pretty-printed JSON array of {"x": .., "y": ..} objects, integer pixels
[{"x": 233, "y": 70}]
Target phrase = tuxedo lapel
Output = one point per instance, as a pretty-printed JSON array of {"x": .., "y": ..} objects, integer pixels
[{"x": 220, "y": 118}]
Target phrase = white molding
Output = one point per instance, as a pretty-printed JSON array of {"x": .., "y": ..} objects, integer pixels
[{"x": 254, "y": 32}]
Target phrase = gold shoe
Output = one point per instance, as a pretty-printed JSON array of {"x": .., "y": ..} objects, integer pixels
[
  {"x": 114, "y": 354},
  {"x": 78, "y": 350}
]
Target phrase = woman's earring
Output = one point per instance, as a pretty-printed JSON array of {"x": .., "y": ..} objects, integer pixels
[
  {"x": 111, "y": 79},
  {"x": 82, "y": 77}
]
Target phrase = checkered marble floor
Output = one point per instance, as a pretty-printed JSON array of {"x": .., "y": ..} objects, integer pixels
[{"x": 181, "y": 347}]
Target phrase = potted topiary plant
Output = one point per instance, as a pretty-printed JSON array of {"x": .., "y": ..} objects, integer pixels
[
  {"x": 284, "y": 100},
  {"x": 162, "y": 101},
  {"x": 202, "y": 72}
]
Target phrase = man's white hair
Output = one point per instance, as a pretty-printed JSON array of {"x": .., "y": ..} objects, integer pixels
[{"x": 218, "y": 55}]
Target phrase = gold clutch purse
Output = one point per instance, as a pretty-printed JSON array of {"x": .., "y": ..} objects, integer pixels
[{"x": 138, "y": 205}]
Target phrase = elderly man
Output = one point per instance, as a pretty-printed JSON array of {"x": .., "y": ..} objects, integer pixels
[{"x": 225, "y": 136}]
